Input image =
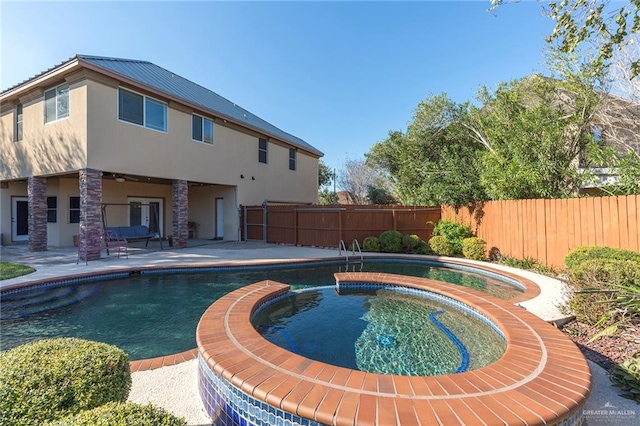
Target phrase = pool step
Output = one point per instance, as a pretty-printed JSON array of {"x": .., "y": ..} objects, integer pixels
[{"x": 27, "y": 303}]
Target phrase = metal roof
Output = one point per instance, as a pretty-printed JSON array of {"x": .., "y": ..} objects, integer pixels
[{"x": 160, "y": 79}]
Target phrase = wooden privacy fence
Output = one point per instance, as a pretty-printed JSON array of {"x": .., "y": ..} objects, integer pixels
[
  {"x": 325, "y": 226},
  {"x": 547, "y": 230}
]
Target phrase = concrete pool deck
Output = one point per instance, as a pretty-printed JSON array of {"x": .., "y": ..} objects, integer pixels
[{"x": 175, "y": 387}]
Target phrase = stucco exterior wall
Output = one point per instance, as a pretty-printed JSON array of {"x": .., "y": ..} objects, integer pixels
[
  {"x": 202, "y": 210},
  {"x": 46, "y": 148},
  {"x": 59, "y": 233},
  {"x": 130, "y": 149}
]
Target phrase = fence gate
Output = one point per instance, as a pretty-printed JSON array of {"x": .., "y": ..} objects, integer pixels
[{"x": 254, "y": 220}]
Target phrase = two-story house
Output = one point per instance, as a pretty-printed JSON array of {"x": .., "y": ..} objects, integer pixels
[{"x": 128, "y": 138}]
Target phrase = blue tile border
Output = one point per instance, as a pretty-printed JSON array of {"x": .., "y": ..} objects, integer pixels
[
  {"x": 230, "y": 406},
  {"x": 66, "y": 282}
]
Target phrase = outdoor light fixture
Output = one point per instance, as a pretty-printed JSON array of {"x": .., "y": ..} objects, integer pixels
[{"x": 119, "y": 179}]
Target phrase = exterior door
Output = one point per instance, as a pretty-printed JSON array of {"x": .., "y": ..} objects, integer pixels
[
  {"x": 20, "y": 219},
  {"x": 219, "y": 218},
  {"x": 142, "y": 211}
]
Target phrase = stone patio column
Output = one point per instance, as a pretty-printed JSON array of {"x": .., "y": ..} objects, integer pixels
[
  {"x": 180, "y": 213},
  {"x": 90, "y": 235},
  {"x": 37, "y": 193}
]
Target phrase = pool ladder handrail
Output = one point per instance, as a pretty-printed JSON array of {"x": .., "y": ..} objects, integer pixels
[
  {"x": 355, "y": 244},
  {"x": 342, "y": 246}
]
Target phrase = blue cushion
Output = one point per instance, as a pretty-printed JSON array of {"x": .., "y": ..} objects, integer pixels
[{"x": 132, "y": 232}]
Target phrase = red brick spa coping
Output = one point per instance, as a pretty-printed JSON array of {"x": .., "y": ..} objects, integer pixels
[{"x": 542, "y": 378}]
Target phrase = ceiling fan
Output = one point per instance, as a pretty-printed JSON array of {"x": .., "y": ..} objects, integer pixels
[{"x": 121, "y": 178}]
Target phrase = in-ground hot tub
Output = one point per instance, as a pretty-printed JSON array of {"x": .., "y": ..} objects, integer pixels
[
  {"x": 381, "y": 329},
  {"x": 542, "y": 378}
]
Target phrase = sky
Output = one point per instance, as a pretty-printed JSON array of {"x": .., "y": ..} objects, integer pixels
[{"x": 339, "y": 75}]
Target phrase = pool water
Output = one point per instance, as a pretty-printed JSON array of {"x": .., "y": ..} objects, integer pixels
[
  {"x": 383, "y": 332},
  {"x": 154, "y": 315}
]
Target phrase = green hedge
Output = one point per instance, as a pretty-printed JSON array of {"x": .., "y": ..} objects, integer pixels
[
  {"x": 598, "y": 295},
  {"x": 441, "y": 246},
  {"x": 473, "y": 248},
  {"x": 121, "y": 414},
  {"x": 410, "y": 242},
  {"x": 371, "y": 244},
  {"x": 50, "y": 379},
  {"x": 581, "y": 254},
  {"x": 422, "y": 248},
  {"x": 391, "y": 241},
  {"x": 453, "y": 232}
]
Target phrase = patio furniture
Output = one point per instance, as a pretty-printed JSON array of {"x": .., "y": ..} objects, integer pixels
[{"x": 132, "y": 233}]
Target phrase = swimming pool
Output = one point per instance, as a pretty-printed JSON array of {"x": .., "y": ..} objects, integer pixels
[{"x": 155, "y": 312}]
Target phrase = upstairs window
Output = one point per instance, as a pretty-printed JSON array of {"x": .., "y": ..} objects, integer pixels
[
  {"x": 201, "y": 129},
  {"x": 292, "y": 159},
  {"x": 18, "y": 133},
  {"x": 56, "y": 103},
  {"x": 262, "y": 150},
  {"x": 142, "y": 110}
]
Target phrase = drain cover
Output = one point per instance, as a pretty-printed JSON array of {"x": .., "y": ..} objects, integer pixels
[{"x": 386, "y": 341}]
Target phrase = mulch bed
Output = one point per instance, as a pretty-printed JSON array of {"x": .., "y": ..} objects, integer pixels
[{"x": 607, "y": 350}]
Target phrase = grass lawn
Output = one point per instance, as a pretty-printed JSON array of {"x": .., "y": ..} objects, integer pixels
[{"x": 12, "y": 270}]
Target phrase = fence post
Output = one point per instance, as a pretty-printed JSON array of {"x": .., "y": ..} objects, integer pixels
[
  {"x": 264, "y": 222},
  {"x": 393, "y": 215},
  {"x": 340, "y": 225},
  {"x": 244, "y": 223},
  {"x": 295, "y": 226}
]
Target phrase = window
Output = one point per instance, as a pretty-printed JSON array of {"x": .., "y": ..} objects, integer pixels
[
  {"x": 18, "y": 134},
  {"x": 52, "y": 209},
  {"x": 141, "y": 110},
  {"x": 74, "y": 209},
  {"x": 292, "y": 158},
  {"x": 56, "y": 103},
  {"x": 202, "y": 129},
  {"x": 262, "y": 151}
]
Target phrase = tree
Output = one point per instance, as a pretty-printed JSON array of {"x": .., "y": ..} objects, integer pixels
[
  {"x": 325, "y": 174},
  {"x": 436, "y": 161},
  {"x": 357, "y": 178},
  {"x": 326, "y": 196},
  {"x": 605, "y": 26},
  {"x": 620, "y": 117},
  {"x": 535, "y": 132}
]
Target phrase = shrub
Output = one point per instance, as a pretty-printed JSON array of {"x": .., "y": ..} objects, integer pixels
[
  {"x": 441, "y": 246},
  {"x": 627, "y": 377},
  {"x": 371, "y": 244},
  {"x": 422, "y": 248},
  {"x": 605, "y": 291},
  {"x": 50, "y": 379},
  {"x": 410, "y": 242},
  {"x": 121, "y": 414},
  {"x": 473, "y": 248},
  {"x": 391, "y": 241},
  {"x": 581, "y": 254},
  {"x": 528, "y": 263},
  {"x": 453, "y": 232}
]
